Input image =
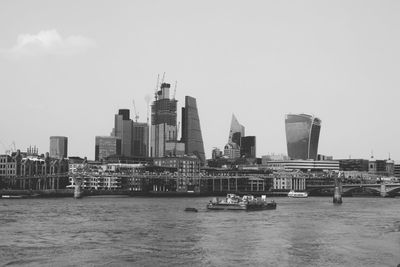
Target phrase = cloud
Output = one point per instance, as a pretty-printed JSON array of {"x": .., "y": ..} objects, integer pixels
[{"x": 49, "y": 42}]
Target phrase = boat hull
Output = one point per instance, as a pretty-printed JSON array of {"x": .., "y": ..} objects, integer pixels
[
  {"x": 240, "y": 206},
  {"x": 293, "y": 194}
]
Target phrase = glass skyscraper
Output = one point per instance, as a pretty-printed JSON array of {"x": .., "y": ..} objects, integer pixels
[
  {"x": 140, "y": 136},
  {"x": 248, "y": 147},
  {"x": 302, "y": 136},
  {"x": 236, "y": 131},
  {"x": 107, "y": 146},
  {"x": 58, "y": 147},
  {"x": 191, "y": 131},
  {"x": 133, "y": 135},
  {"x": 123, "y": 129}
]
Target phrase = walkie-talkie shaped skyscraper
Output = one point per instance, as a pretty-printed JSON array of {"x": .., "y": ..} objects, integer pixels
[{"x": 302, "y": 136}]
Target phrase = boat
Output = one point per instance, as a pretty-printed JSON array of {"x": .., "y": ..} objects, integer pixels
[
  {"x": 191, "y": 209},
  {"x": 12, "y": 196},
  {"x": 294, "y": 194},
  {"x": 235, "y": 202}
]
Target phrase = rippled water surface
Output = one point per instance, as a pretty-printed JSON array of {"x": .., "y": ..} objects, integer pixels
[{"x": 157, "y": 232}]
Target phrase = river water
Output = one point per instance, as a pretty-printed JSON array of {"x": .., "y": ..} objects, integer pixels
[{"x": 158, "y": 232}]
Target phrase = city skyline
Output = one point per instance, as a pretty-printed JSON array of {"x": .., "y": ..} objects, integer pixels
[{"x": 68, "y": 77}]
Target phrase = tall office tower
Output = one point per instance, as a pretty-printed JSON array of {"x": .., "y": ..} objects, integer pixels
[
  {"x": 191, "y": 131},
  {"x": 236, "y": 131},
  {"x": 123, "y": 129},
  {"x": 58, "y": 147},
  {"x": 248, "y": 147},
  {"x": 107, "y": 146},
  {"x": 140, "y": 139},
  {"x": 302, "y": 135},
  {"x": 163, "y": 135}
]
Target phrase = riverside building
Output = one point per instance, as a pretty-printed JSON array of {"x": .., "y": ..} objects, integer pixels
[
  {"x": 304, "y": 165},
  {"x": 396, "y": 170}
]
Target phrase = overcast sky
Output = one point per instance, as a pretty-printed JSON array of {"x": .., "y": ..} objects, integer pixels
[{"x": 66, "y": 67}]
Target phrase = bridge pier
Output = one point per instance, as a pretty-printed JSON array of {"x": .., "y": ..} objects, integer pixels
[
  {"x": 337, "y": 196},
  {"x": 383, "y": 190},
  {"x": 77, "y": 191}
]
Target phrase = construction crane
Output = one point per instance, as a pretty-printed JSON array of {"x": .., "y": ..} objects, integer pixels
[
  {"x": 176, "y": 84},
  {"x": 163, "y": 77},
  {"x": 147, "y": 99},
  {"x": 134, "y": 110}
]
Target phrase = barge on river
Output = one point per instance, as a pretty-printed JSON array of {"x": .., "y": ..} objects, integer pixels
[
  {"x": 247, "y": 202},
  {"x": 294, "y": 194}
]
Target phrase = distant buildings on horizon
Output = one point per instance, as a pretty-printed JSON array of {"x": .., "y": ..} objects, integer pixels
[
  {"x": 158, "y": 138},
  {"x": 135, "y": 140}
]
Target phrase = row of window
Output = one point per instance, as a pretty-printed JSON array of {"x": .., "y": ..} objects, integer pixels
[{"x": 7, "y": 172}]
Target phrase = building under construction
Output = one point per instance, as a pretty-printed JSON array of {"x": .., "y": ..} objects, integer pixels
[{"x": 164, "y": 130}]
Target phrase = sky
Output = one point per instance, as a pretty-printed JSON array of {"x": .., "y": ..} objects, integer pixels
[{"x": 66, "y": 67}]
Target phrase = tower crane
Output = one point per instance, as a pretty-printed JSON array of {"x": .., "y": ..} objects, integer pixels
[
  {"x": 163, "y": 77},
  {"x": 176, "y": 84},
  {"x": 134, "y": 110},
  {"x": 147, "y": 99}
]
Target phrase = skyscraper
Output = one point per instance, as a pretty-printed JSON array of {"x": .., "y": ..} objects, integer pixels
[
  {"x": 302, "y": 136},
  {"x": 133, "y": 135},
  {"x": 58, "y": 147},
  {"x": 123, "y": 129},
  {"x": 248, "y": 147},
  {"x": 107, "y": 146},
  {"x": 191, "y": 131},
  {"x": 236, "y": 131},
  {"x": 140, "y": 139},
  {"x": 163, "y": 123}
]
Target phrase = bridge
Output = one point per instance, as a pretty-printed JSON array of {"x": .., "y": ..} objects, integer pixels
[{"x": 383, "y": 189}]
